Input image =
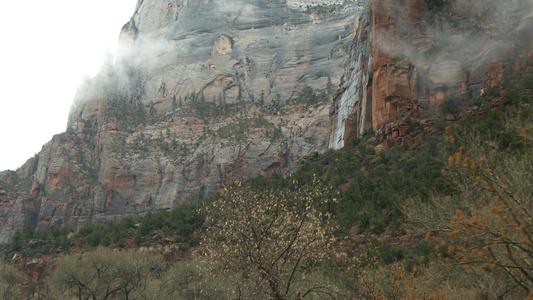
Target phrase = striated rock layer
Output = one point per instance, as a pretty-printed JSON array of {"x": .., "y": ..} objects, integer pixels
[
  {"x": 352, "y": 106},
  {"x": 202, "y": 93},
  {"x": 229, "y": 47},
  {"x": 408, "y": 57},
  {"x": 207, "y": 92}
]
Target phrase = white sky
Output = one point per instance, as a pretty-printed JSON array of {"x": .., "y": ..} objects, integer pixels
[{"x": 46, "y": 49}]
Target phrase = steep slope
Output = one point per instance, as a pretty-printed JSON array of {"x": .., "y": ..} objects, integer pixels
[
  {"x": 223, "y": 48},
  {"x": 206, "y": 92},
  {"x": 201, "y": 94},
  {"x": 409, "y": 57}
]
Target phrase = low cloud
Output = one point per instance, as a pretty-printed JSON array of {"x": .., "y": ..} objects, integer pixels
[{"x": 471, "y": 32}]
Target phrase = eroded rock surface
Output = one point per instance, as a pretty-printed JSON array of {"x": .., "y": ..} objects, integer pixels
[
  {"x": 413, "y": 55},
  {"x": 203, "y": 93},
  {"x": 207, "y": 92}
]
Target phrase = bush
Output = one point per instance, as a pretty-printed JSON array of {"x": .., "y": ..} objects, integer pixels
[
  {"x": 104, "y": 274},
  {"x": 11, "y": 281},
  {"x": 511, "y": 96},
  {"x": 452, "y": 105},
  {"x": 435, "y": 5},
  {"x": 378, "y": 226}
]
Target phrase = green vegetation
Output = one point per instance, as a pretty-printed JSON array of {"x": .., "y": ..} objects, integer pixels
[
  {"x": 178, "y": 224},
  {"x": 347, "y": 224},
  {"x": 452, "y": 105},
  {"x": 10, "y": 281},
  {"x": 238, "y": 129},
  {"x": 518, "y": 90},
  {"x": 435, "y": 5},
  {"x": 16, "y": 184},
  {"x": 309, "y": 97},
  {"x": 324, "y": 9},
  {"x": 207, "y": 110},
  {"x": 221, "y": 109},
  {"x": 124, "y": 92},
  {"x": 91, "y": 173},
  {"x": 372, "y": 185}
]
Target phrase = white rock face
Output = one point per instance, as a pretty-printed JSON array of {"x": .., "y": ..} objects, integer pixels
[
  {"x": 203, "y": 93},
  {"x": 219, "y": 47},
  {"x": 354, "y": 102}
]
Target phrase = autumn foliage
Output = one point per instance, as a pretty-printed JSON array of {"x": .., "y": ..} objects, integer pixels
[
  {"x": 490, "y": 234},
  {"x": 271, "y": 238}
]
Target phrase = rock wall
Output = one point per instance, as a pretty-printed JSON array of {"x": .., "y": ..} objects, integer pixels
[
  {"x": 207, "y": 92},
  {"x": 352, "y": 105},
  {"x": 228, "y": 48},
  {"x": 423, "y": 52},
  {"x": 203, "y": 93}
]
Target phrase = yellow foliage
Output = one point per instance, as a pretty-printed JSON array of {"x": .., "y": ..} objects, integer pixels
[{"x": 269, "y": 235}]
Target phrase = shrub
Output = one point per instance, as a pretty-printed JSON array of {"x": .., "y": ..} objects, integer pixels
[{"x": 452, "y": 105}]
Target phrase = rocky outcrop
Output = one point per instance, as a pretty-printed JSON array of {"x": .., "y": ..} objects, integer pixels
[
  {"x": 203, "y": 93},
  {"x": 352, "y": 106},
  {"x": 423, "y": 52},
  {"x": 207, "y": 92},
  {"x": 233, "y": 49},
  {"x": 103, "y": 174}
]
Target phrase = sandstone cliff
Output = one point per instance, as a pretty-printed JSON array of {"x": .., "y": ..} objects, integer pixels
[
  {"x": 201, "y": 94},
  {"x": 409, "y": 56},
  {"x": 207, "y": 92}
]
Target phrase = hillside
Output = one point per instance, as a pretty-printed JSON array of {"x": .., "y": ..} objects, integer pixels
[
  {"x": 392, "y": 214},
  {"x": 189, "y": 107},
  {"x": 141, "y": 137},
  {"x": 373, "y": 150}
]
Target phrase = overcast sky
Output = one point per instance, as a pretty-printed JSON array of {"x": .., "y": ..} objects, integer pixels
[{"x": 46, "y": 49}]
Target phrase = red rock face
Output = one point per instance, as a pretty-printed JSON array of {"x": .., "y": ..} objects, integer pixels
[
  {"x": 495, "y": 74},
  {"x": 420, "y": 57},
  {"x": 394, "y": 90},
  {"x": 119, "y": 160},
  {"x": 109, "y": 172},
  {"x": 395, "y": 81}
]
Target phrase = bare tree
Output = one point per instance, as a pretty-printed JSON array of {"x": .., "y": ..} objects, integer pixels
[
  {"x": 10, "y": 281},
  {"x": 270, "y": 237},
  {"x": 104, "y": 274}
]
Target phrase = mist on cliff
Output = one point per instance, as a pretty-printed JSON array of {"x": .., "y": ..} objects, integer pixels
[
  {"x": 47, "y": 47},
  {"x": 472, "y": 33},
  {"x": 146, "y": 50}
]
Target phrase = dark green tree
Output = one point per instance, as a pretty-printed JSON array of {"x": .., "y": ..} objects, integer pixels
[
  {"x": 262, "y": 98},
  {"x": 239, "y": 96},
  {"x": 452, "y": 105},
  {"x": 16, "y": 241},
  {"x": 29, "y": 231}
]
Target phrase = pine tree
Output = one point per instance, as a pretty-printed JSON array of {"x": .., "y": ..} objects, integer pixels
[
  {"x": 262, "y": 98},
  {"x": 239, "y": 96}
]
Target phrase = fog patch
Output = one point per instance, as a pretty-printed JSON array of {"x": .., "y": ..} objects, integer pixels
[{"x": 465, "y": 32}]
